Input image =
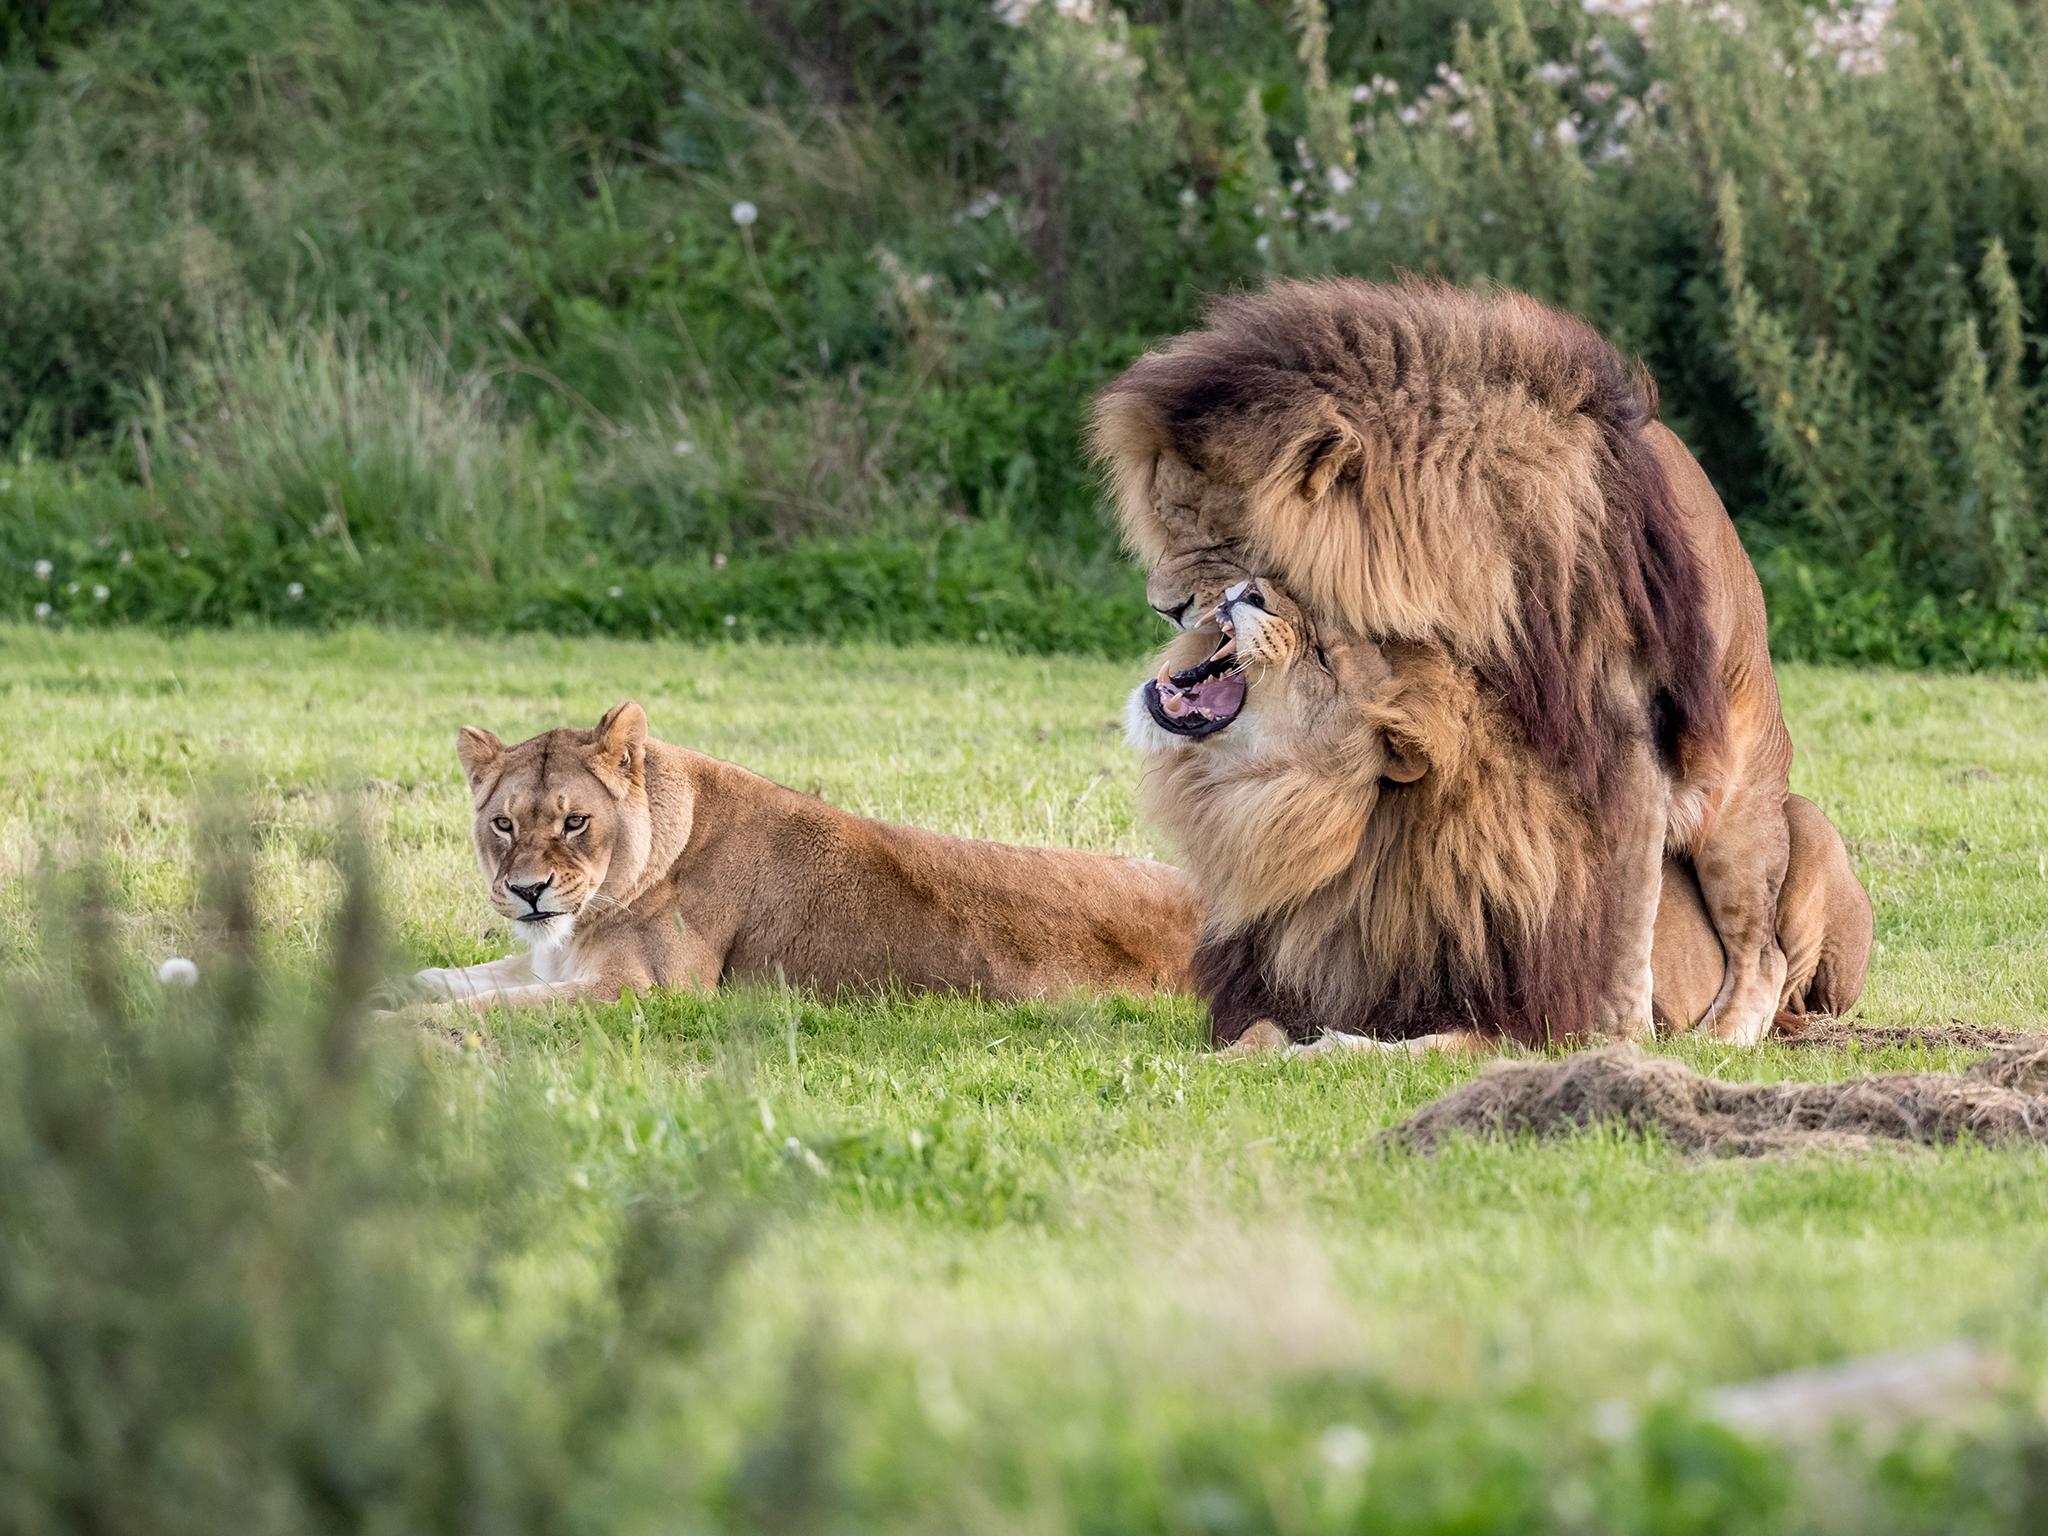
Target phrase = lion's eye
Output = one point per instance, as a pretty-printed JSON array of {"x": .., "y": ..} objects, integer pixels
[
  {"x": 503, "y": 824},
  {"x": 575, "y": 823}
]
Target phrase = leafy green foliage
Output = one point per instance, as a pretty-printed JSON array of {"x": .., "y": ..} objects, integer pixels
[
  {"x": 249, "y": 1281},
  {"x": 539, "y": 296}
]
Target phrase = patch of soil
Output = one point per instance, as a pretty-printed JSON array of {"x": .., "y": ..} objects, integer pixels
[
  {"x": 1820, "y": 1030},
  {"x": 2003, "y": 1099}
]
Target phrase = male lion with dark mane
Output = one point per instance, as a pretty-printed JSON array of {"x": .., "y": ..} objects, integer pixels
[{"x": 1473, "y": 493}]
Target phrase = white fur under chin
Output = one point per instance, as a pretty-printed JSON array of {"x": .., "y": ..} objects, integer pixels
[
  {"x": 550, "y": 946},
  {"x": 1141, "y": 731}
]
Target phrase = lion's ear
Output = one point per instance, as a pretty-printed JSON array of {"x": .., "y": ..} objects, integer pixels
[
  {"x": 620, "y": 746},
  {"x": 1421, "y": 714},
  {"x": 1325, "y": 453},
  {"x": 1406, "y": 761},
  {"x": 479, "y": 751}
]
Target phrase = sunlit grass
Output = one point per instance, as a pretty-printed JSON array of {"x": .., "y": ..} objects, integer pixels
[{"x": 1068, "y": 1212}]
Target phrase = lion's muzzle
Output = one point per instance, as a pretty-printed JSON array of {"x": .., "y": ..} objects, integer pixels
[{"x": 1201, "y": 700}]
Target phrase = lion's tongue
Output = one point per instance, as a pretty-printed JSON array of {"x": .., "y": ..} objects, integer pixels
[{"x": 1220, "y": 698}]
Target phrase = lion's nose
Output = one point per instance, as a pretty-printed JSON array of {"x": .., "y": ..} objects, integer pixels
[{"x": 530, "y": 894}]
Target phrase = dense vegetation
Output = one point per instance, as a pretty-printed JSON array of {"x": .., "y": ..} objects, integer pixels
[{"x": 688, "y": 315}]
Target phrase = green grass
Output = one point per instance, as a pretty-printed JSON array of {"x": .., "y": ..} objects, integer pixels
[{"x": 1066, "y": 1270}]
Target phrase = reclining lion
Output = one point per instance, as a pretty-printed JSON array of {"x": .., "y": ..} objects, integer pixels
[
  {"x": 626, "y": 862},
  {"x": 1313, "y": 772}
]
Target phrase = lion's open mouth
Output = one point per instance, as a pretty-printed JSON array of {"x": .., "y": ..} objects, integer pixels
[{"x": 1204, "y": 698}]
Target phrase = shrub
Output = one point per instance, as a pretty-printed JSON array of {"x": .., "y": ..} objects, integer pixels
[
  {"x": 1822, "y": 229},
  {"x": 250, "y": 1281}
]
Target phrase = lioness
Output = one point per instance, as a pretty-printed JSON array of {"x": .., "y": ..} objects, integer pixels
[
  {"x": 625, "y": 862},
  {"x": 1289, "y": 753},
  {"x": 1476, "y": 472}
]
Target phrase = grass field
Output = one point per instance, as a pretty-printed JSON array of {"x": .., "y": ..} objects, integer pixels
[{"x": 1050, "y": 1267}]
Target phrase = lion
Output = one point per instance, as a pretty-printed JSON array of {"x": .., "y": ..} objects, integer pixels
[
  {"x": 1366, "y": 747},
  {"x": 628, "y": 863},
  {"x": 1482, "y": 479}
]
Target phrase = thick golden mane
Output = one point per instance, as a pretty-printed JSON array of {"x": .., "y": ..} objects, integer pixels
[
  {"x": 1467, "y": 473},
  {"x": 1470, "y": 898}
]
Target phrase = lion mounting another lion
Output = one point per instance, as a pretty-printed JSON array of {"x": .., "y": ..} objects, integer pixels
[{"x": 1503, "y": 563}]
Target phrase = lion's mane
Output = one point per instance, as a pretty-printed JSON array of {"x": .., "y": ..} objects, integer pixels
[{"x": 1466, "y": 472}]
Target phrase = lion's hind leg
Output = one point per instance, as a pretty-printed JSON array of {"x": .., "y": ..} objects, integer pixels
[{"x": 1741, "y": 869}]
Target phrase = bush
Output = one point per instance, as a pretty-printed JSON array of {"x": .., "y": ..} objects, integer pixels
[
  {"x": 868, "y": 267},
  {"x": 249, "y": 1282}
]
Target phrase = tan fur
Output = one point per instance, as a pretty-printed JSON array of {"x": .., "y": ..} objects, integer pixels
[
  {"x": 1823, "y": 926},
  {"x": 1730, "y": 817},
  {"x": 1479, "y": 482},
  {"x": 691, "y": 871}
]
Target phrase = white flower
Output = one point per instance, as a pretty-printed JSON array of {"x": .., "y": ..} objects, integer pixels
[
  {"x": 614, "y": 591},
  {"x": 1361, "y": 94},
  {"x": 1344, "y": 1448},
  {"x": 42, "y": 610},
  {"x": 182, "y": 552},
  {"x": 683, "y": 448},
  {"x": 731, "y": 619},
  {"x": 1567, "y": 131},
  {"x": 1341, "y": 180},
  {"x": 127, "y": 557},
  {"x": 718, "y": 561},
  {"x": 1263, "y": 245},
  {"x": 177, "y": 972},
  {"x": 100, "y": 593},
  {"x": 984, "y": 205},
  {"x": 43, "y": 570},
  {"x": 295, "y": 590},
  {"x": 744, "y": 213},
  {"x": 72, "y": 588},
  {"x": 1187, "y": 197}
]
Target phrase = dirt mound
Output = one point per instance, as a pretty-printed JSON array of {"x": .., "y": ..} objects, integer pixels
[
  {"x": 2003, "y": 1099},
  {"x": 1820, "y": 1030}
]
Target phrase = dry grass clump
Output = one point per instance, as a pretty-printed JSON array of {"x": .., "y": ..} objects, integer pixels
[{"x": 2001, "y": 1100}]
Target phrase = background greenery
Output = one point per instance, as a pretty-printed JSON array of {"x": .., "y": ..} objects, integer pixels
[
  {"x": 446, "y": 312},
  {"x": 764, "y": 1263}
]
